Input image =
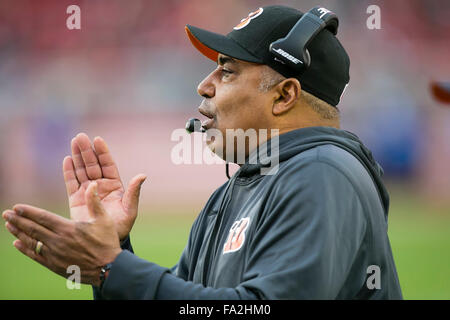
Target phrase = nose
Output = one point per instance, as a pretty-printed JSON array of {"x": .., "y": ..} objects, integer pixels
[{"x": 206, "y": 88}]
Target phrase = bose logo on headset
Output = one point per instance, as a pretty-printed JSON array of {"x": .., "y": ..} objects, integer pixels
[{"x": 287, "y": 56}]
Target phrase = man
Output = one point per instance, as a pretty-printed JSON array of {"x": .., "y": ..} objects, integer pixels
[{"x": 315, "y": 229}]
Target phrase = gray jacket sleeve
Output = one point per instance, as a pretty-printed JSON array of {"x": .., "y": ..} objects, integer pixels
[
  {"x": 124, "y": 245},
  {"x": 304, "y": 244}
]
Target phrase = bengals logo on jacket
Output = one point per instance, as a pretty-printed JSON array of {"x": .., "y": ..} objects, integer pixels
[{"x": 236, "y": 235}]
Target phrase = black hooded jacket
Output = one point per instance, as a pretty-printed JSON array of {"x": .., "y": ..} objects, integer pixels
[{"x": 316, "y": 229}]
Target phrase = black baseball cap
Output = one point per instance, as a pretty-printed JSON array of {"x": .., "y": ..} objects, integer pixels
[{"x": 326, "y": 77}]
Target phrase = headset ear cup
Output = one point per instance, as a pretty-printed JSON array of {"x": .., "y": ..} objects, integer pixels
[{"x": 291, "y": 50}]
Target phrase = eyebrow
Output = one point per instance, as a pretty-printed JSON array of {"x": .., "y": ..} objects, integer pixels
[{"x": 224, "y": 59}]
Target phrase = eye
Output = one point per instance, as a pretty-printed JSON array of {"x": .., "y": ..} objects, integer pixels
[{"x": 226, "y": 72}]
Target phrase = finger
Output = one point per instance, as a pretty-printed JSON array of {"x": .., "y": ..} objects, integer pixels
[
  {"x": 80, "y": 170},
  {"x": 26, "y": 240},
  {"x": 107, "y": 164},
  {"x": 131, "y": 196},
  {"x": 29, "y": 252},
  {"x": 42, "y": 217},
  {"x": 31, "y": 228},
  {"x": 93, "y": 203},
  {"x": 70, "y": 178},
  {"x": 90, "y": 160}
]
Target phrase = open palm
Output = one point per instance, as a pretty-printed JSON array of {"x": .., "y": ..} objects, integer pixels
[{"x": 93, "y": 162}]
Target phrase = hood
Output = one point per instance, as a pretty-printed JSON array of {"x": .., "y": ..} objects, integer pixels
[{"x": 294, "y": 142}]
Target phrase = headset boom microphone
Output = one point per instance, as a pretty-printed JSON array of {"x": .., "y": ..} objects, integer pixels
[{"x": 194, "y": 125}]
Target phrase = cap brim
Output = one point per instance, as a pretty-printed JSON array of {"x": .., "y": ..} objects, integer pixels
[{"x": 210, "y": 44}]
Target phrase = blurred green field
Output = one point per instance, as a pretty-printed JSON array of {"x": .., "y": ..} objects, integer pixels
[{"x": 419, "y": 234}]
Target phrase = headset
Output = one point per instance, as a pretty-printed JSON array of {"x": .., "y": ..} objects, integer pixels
[
  {"x": 292, "y": 49},
  {"x": 194, "y": 125}
]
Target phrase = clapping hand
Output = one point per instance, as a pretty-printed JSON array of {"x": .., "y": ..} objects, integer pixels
[{"x": 93, "y": 162}]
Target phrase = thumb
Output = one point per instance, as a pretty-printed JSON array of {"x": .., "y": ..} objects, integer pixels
[
  {"x": 93, "y": 203},
  {"x": 131, "y": 197}
]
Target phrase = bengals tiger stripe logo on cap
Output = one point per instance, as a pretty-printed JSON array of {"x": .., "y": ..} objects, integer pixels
[
  {"x": 252, "y": 15},
  {"x": 236, "y": 235}
]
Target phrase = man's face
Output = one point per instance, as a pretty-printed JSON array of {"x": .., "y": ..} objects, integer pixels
[{"x": 233, "y": 101}]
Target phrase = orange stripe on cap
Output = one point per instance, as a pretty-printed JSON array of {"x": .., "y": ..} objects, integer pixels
[{"x": 207, "y": 52}]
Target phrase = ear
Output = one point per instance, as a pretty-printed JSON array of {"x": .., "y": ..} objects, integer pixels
[{"x": 288, "y": 92}]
